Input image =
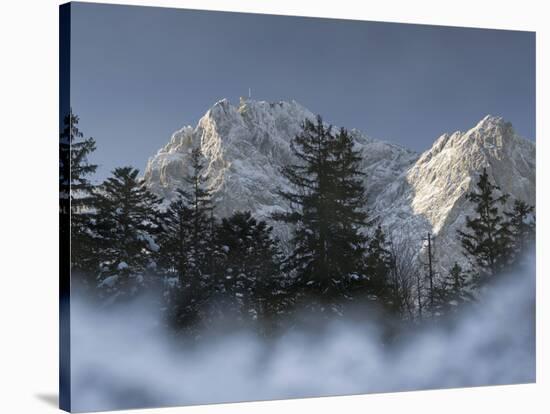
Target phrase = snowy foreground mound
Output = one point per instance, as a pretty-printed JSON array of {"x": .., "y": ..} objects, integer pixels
[{"x": 411, "y": 193}]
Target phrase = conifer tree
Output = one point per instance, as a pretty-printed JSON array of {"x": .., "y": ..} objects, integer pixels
[
  {"x": 126, "y": 223},
  {"x": 201, "y": 219},
  {"x": 522, "y": 226},
  {"x": 451, "y": 291},
  {"x": 325, "y": 202},
  {"x": 349, "y": 200},
  {"x": 174, "y": 238},
  {"x": 200, "y": 270},
  {"x": 65, "y": 167},
  {"x": 251, "y": 264},
  {"x": 379, "y": 262},
  {"x": 76, "y": 149},
  {"x": 487, "y": 239}
]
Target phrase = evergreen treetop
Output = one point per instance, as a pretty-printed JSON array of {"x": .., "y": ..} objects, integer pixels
[
  {"x": 487, "y": 239},
  {"x": 175, "y": 237},
  {"x": 75, "y": 149},
  {"x": 522, "y": 225},
  {"x": 326, "y": 210},
  {"x": 127, "y": 220}
]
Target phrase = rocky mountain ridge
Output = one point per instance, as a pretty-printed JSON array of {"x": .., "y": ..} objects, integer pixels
[{"x": 412, "y": 194}]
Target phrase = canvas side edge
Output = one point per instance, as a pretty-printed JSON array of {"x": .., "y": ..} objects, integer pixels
[{"x": 64, "y": 211}]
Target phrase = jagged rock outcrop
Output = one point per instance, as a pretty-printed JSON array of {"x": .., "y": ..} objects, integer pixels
[
  {"x": 246, "y": 145},
  {"x": 430, "y": 195}
]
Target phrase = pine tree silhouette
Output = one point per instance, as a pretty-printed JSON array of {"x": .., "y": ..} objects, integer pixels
[
  {"x": 522, "y": 226},
  {"x": 379, "y": 262},
  {"x": 326, "y": 213},
  {"x": 126, "y": 222},
  {"x": 251, "y": 263},
  {"x": 196, "y": 227},
  {"x": 487, "y": 239},
  {"x": 174, "y": 238},
  {"x": 451, "y": 291},
  {"x": 350, "y": 217},
  {"x": 202, "y": 223},
  {"x": 76, "y": 182}
]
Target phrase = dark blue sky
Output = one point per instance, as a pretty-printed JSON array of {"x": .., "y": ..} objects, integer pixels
[{"x": 140, "y": 73}]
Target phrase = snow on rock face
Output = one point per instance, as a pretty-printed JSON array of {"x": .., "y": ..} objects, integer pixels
[
  {"x": 245, "y": 147},
  {"x": 430, "y": 196}
]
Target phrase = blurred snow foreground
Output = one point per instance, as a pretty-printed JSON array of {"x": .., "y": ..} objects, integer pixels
[{"x": 123, "y": 357}]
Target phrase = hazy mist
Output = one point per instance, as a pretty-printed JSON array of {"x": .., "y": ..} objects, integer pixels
[{"x": 124, "y": 357}]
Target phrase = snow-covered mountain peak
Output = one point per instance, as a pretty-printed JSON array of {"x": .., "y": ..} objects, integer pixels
[
  {"x": 489, "y": 122},
  {"x": 433, "y": 191},
  {"x": 274, "y": 108},
  {"x": 491, "y": 138},
  {"x": 246, "y": 145},
  {"x": 489, "y": 133},
  {"x": 221, "y": 109}
]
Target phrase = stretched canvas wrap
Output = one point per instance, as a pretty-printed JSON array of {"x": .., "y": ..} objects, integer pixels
[{"x": 259, "y": 207}]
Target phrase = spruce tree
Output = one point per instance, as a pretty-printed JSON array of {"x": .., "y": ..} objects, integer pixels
[
  {"x": 487, "y": 239},
  {"x": 251, "y": 264},
  {"x": 349, "y": 200},
  {"x": 201, "y": 220},
  {"x": 200, "y": 268},
  {"x": 126, "y": 223},
  {"x": 174, "y": 238},
  {"x": 65, "y": 169},
  {"x": 451, "y": 291},
  {"x": 379, "y": 262},
  {"x": 76, "y": 149},
  {"x": 521, "y": 220},
  {"x": 325, "y": 211}
]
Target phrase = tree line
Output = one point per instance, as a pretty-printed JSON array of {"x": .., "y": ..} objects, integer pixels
[{"x": 125, "y": 240}]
